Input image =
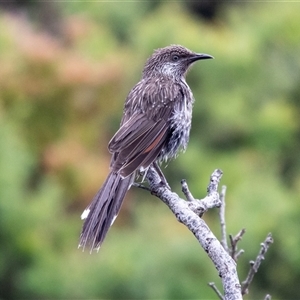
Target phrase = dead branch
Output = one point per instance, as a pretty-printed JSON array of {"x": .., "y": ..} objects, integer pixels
[
  {"x": 222, "y": 218},
  {"x": 254, "y": 265},
  {"x": 188, "y": 212},
  {"x": 216, "y": 290},
  {"x": 234, "y": 252}
]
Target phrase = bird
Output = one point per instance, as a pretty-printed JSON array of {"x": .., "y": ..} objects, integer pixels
[{"x": 155, "y": 127}]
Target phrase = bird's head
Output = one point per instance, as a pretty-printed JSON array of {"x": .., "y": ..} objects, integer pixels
[{"x": 172, "y": 61}]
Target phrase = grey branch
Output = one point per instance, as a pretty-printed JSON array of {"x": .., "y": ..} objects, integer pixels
[
  {"x": 188, "y": 212},
  {"x": 213, "y": 286},
  {"x": 233, "y": 250},
  {"x": 254, "y": 265},
  {"x": 233, "y": 243},
  {"x": 185, "y": 189},
  {"x": 210, "y": 201},
  {"x": 222, "y": 218}
]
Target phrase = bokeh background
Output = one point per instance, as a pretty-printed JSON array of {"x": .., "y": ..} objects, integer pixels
[{"x": 65, "y": 70}]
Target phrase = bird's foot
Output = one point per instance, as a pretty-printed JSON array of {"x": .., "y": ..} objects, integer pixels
[{"x": 161, "y": 175}]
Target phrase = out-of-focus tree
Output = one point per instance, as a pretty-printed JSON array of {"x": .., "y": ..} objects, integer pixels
[
  {"x": 61, "y": 101},
  {"x": 45, "y": 14}
]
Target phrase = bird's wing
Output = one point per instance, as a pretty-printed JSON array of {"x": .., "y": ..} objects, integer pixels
[
  {"x": 140, "y": 145},
  {"x": 134, "y": 127},
  {"x": 142, "y": 136}
]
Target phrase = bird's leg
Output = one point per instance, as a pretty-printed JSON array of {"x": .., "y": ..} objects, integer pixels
[
  {"x": 141, "y": 186},
  {"x": 161, "y": 175}
]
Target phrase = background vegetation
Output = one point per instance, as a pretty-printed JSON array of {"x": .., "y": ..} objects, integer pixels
[{"x": 65, "y": 70}]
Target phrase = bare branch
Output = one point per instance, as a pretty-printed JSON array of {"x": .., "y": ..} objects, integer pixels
[
  {"x": 185, "y": 213},
  {"x": 213, "y": 286},
  {"x": 185, "y": 189},
  {"x": 238, "y": 254},
  {"x": 233, "y": 243},
  {"x": 254, "y": 265},
  {"x": 210, "y": 201},
  {"x": 222, "y": 218}
]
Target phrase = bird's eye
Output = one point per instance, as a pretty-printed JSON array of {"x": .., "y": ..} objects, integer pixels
[{"x": 175, "y": 57}]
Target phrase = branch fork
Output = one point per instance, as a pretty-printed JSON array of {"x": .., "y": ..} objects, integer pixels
[{"x": 189, "y": 213}]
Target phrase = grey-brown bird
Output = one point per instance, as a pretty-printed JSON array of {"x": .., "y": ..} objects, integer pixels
[{"x": 155, "y": 125}]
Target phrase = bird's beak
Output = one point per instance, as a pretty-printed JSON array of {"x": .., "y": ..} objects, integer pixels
[{"x": 199, "y": 56}]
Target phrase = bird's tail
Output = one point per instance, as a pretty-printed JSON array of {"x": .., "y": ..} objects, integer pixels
[{"x": 103, "y": 210}]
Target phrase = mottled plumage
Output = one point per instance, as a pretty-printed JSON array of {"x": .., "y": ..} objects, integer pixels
[{"x": 155, "y": 126}]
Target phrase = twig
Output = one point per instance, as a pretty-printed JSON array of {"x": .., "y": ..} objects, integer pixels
[
  {"x": 254, "y": 265},
  {"x": 213, "y": 286},
  {"x": 186, "y": 215},
  {"x": 212, "y": 199},
  {"x": 222, "y": 218},
  {"x": 233, "y": 243},
  {"x": 185, "y": 189}
]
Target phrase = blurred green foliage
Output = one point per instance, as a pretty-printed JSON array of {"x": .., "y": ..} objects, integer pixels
[{"x": 60, "y": 102}]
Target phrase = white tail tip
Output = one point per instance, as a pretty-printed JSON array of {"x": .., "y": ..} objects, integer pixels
[{"x": 85, "y": 214}]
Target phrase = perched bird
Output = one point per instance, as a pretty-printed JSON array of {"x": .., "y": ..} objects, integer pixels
[{"x": 155, "y": 125}]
